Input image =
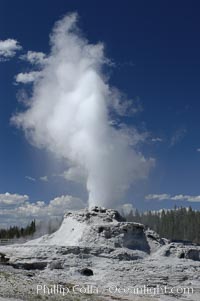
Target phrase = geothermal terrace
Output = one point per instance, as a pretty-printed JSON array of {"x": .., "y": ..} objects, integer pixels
[{"x": 96, "y": 249}]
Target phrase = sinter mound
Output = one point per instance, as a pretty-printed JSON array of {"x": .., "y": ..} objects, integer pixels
[{"x": 100, "y": 227}]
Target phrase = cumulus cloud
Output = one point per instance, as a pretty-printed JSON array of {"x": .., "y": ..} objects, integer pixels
[
  {"x": 33, "y": 57},
  {"x": 22, "y": 210},
  {"x": 65, "y": 202},
  {"x": 69, "y": 115},
  {"x": 27, "y": 77},
  {"x": 12, "y": 199},
  {"x": 179, "y": 197},
  {"x": 8, "y": 48}
]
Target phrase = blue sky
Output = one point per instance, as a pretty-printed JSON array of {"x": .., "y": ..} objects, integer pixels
[{"x": 155, "y": 50}]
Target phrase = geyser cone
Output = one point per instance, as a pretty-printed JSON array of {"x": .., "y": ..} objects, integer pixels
[{"x": 100, "y": 228}]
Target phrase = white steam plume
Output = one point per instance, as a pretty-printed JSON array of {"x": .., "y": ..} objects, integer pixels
[{"x": 68, "y": 114}]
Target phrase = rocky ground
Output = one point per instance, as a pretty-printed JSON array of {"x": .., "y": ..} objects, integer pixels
[{"x": 95, "y": 255}]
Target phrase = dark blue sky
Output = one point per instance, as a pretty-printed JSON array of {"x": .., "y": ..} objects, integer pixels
[{"x": 155, "y": 47}]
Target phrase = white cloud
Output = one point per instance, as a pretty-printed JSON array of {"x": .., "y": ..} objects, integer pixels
[
  {"x": 157, "y": 139},
  {"x": 34, "y": 57},
  {"x": 158, "y": 197},
  {"x": 192, "y": 198},
  {"x": 8, "y": 48},
  {"x": 179, "y": 197},
  {"x": 22, "y": 210},
  {"x": 63, "y": 203},
  {"x": 30, "y": 178},
  {"x": 188, "y": 198},
  {"x": 198, "y": 149},
  {"x": 27, "y": 77},
  {"x": 44, "y": 179},
  {"x": 12, "y": 199}
]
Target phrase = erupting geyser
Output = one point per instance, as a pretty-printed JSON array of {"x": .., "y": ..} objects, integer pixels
[{"x": 69, "y": 114}]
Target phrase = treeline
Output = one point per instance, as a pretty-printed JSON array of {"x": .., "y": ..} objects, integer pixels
[
  {"x": 176, "y": 224},
  {"x": 17, "y": 232}
]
